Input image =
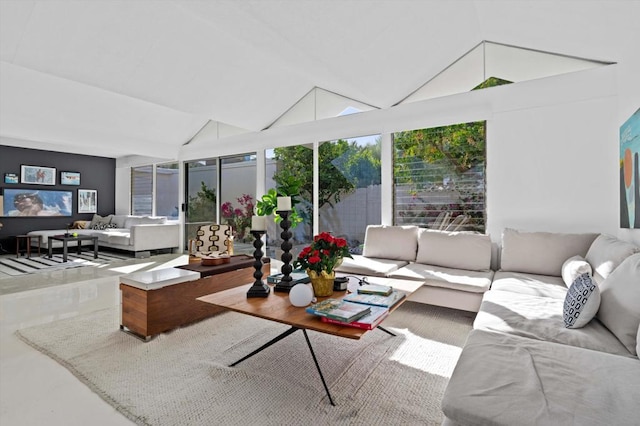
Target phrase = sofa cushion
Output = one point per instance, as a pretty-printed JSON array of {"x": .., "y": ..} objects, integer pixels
[
  {"x": 97, "y": 220},
  {"x": 115, "y": 236},
  {"x": 541, "y": 318},
  {"x": 541, "y": 253},
  {"x": 582, "y": 302},
  {"x": 531, "y": 284},
  {"x": 143, "y": 220},
  {"x": 438, "y": 276},
  {"x": 509, "y": 380},
  {"x": 391, "y": 242},
  {"x": 573, "y": 267},
  {"x": 362, "y": 265},
  {"x": 458, "y": 250},
  {"x": 119, "y": 220},
  {"x": 620, "y": 304},
  {"x": 606, "y": 253}
]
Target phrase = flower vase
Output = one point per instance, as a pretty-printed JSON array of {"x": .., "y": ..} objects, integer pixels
[{"x": 322, "y": 284}]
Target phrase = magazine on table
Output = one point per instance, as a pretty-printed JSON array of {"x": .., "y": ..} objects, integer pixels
[
  {"x": 339, "y": 309},
  {"x": 367, "y": 322},
  {"x": 376, "y": 300}
]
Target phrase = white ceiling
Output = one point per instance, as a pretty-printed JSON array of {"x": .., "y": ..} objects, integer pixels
[{"x": 142, "y": 77}]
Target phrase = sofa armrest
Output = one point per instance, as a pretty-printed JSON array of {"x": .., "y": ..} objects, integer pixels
[{"x": 154, "y": 236}]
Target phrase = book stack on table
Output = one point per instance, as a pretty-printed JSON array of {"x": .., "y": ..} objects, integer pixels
[{"x": 365, "y": 309}]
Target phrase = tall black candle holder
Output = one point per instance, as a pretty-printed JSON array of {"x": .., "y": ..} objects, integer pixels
[
  {"x": 259, "y": 288},
  {"x": 285, "y": 284}
]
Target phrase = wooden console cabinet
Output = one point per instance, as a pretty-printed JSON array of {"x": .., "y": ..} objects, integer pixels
[{"x": 151, "y": 309}]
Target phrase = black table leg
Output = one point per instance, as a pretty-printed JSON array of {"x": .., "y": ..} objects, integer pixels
[
  {"x": 50, "y": 247},
  {"x": 95, "y": 248},
  {"x": 315, "y": 360},
  {"x": 266, "y": 345},
  {"x": 64, "y": 250},
  {"x": 282, "y": 336}
]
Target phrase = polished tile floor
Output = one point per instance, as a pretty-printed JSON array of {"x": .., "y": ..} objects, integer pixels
[{"x": 34, "y": 389}]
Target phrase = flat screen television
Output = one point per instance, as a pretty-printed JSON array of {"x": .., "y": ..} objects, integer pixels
[{"x": 36, "y": 203}]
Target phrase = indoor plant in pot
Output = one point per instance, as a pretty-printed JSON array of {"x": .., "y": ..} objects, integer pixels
[{"x": 320, "y": 260}]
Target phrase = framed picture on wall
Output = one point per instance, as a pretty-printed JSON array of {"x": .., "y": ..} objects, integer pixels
[
  {"x": 11, "y": 178},
  {"x": 36, "y": 203},
  {"x": 87, "y": 201},
  {"x": 69, "y": 178},
  {"x": 38, "y": 175}
]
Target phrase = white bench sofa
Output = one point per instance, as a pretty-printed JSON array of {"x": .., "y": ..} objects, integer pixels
[
  {"x": 522, "y": 365},
  {"x": 454, "y": 266},
  {"x": 138, "y": 234}
]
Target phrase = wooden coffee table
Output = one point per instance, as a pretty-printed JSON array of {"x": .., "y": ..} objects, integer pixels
[{"x": 276, "y": 307}]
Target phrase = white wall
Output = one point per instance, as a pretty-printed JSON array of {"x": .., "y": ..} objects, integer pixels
[{"x": 552, "y": 150}]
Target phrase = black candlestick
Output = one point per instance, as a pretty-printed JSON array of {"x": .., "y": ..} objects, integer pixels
[
  {"x": 259, "y": 288},
  {"x": 285, "y": 284}
]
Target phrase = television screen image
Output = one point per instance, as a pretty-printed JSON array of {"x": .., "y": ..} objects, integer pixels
[{"x": 27, "y": 202}]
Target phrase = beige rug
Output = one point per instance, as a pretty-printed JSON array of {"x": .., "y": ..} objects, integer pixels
[{"x": 183, "y": 378}]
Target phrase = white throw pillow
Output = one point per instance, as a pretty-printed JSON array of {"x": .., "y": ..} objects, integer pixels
[
  {"x": 573, "y": 267},
  {"x": 607, "y": 252},
  {"x": 581, "y": 302},
  {"x": 620, "y": 304},
  {"x": 391, "y": 242}
]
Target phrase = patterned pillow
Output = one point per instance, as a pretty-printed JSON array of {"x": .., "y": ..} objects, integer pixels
[{"x": 581, "y": 302}]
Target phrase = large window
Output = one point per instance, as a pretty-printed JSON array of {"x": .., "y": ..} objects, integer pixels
[
  {"x": 439, "y": 176},
  {"x": 350, "y": 192},
  {"x": 167, "y": 189},
  {"x": 238, "y": 198},
  {"x": 142, "y": 190},
  {"x": 201, "y": 181},
  {"x": 282, "y": 166}
]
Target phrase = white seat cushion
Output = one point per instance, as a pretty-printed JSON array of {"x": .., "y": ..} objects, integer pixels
[
  {"x": 541, "y": 318},
  {"x": 438, "y": 276},
  {"x": 369, "y": 266},
  {"x": 531, "y": 284}
]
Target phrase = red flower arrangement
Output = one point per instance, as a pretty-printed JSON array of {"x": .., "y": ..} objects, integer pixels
[{"x": 324, "y": 254}]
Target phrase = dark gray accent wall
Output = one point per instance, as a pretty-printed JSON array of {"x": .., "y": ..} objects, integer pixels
[{"x": 97, "y": 173}]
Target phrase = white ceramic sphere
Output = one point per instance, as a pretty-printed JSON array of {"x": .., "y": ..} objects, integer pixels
[{"x": 300, "y": 295}]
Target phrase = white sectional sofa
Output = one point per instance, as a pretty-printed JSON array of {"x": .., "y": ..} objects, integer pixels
[
  {"x": 522, "y": 365},
  {"x": 138, "y": 234},
  {"x": 455, "y": 266}
]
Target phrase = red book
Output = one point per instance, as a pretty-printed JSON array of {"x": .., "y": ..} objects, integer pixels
[{"x": 368, "y": 322}]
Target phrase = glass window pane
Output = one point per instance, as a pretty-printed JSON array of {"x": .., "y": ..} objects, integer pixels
[
  {"x": 167, "y": 188},
  {"x": 142, "y": 190},
  {"x": 439, "y": 176},
  {"x": 237, "y": 199},
  {"x": 350, "y": 191},
  {"x": 201, "y": 181},
  {"x": 285, "y": 165}
]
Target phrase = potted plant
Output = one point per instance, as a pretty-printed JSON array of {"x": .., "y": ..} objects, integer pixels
[{"x": 320, "y": 260}]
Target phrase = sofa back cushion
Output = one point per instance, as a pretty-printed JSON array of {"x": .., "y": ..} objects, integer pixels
[
  {"x": 143, "y": 220},
  {"x": 458, "y": 250},
  {"x": 620, "y": 302},
  {"x": 541, "y": 252},
  {"x": 606, "y": 253},
  {"x": 391, "y": 242},
  {"x": 119, "y": 219}
]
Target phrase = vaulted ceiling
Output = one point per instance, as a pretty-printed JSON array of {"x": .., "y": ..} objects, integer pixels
[{"x": 143, "y": 77}]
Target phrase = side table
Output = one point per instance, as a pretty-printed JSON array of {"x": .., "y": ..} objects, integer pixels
[{"x": 27, "y": 239}]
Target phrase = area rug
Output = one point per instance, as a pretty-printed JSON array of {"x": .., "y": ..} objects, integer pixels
[
  {"x": 182, "y": 377},
  {"x": 11, "y": 266}
]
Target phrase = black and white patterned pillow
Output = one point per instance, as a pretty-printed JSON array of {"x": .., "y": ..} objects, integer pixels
[{"x": 581, "y": 302}]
